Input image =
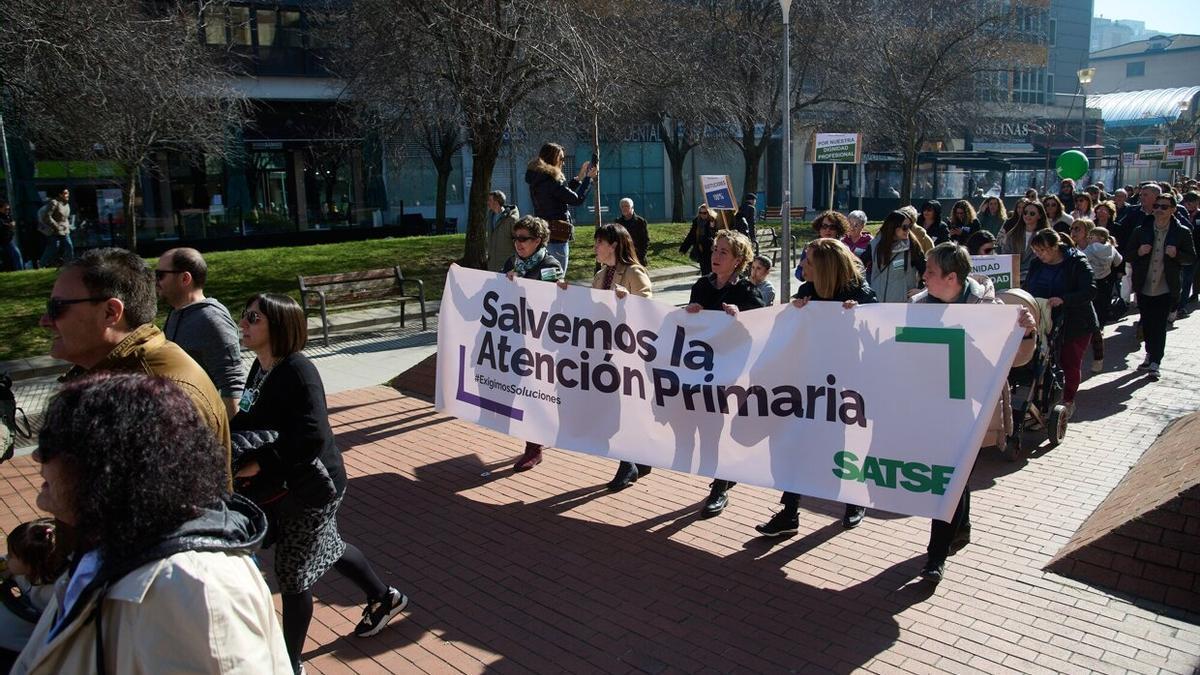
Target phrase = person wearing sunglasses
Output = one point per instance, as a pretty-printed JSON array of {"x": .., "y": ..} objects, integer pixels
[
  {"x": 1016, "y": 242},
  {"x": 531, "y": 261},
  {"x": 827, "y": 225},
  {"x": 1159, "y": 250},
  {"x": 894, "y": 265},
  {"x": 981, "y": 242},
  {"x": 284, "y": 393},
  {"x": 101, "y": 319},
  {"x": 699, "y": 240}
]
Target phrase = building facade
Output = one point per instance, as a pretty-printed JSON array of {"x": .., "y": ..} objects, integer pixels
[{"x": 1158, "y": 62}]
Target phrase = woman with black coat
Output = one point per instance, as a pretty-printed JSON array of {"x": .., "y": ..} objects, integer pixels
[
  {"x": 1061, "y": 274},
  {"x": 553, "y": 196},
  {"x": 699, "y": 240},
  {"x": 284, "y": 394},
  {"x": 726, "y": 290},
  {"x": 931, "y": 220},
  {"x": 833, "y": 274}
]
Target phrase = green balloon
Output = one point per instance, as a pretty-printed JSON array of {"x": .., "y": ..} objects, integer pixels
[{"x": 1072, "y": 164}]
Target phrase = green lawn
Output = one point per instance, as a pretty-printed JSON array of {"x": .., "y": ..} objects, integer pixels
[{"x": 234, "y": 276}]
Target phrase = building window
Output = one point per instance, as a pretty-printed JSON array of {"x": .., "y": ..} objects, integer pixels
[
  {"x": 214, "y": 25},
  {"x": 266, "y": 27},
  {"x": 1135, "y": 69},
  {"x": 1029, "y": 85},
  {"x": 239, "y": 26},
  {"x": 1052, "y": 32}
]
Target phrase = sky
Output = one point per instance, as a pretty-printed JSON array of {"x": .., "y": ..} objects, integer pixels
[{"x": 1167, "y": 16}]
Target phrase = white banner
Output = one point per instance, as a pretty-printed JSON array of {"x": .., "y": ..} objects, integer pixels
[{"x": 883, "y": 405}]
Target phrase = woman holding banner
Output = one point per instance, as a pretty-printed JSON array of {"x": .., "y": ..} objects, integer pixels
[
  {"x": 531, "y": 261},
  {"x": 622, "y": 273},
  {"x": 833, "y": 274},
  {"x": 725, "y": 290},
  {"x": 949, "y": 280},
  {"x": 894, "y": 264}
]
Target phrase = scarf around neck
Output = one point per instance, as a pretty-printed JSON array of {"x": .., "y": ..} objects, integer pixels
[{"x": 523, "y": 265}]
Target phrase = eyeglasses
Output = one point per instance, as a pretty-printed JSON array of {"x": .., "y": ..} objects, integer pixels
[
  {"x": 524, "y": 239},
  {"x": 252, "y": 317},
  {"x": 827, "y": 226},
  {"x": 1163, "y": 207},
  {"x": 1031, "y": 213},
  {"x": 159, "y": 275},
  {"x": 906, "y": 227},
  {"x": 56, "y": 307}
]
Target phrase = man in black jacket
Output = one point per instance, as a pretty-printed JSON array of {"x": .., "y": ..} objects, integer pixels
[
  {"x": 1158, "y": 250},
  {"x": 638, "y": 229}
]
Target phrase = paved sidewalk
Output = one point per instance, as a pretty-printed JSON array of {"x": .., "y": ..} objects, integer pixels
[{"x": 546, "y": 571}]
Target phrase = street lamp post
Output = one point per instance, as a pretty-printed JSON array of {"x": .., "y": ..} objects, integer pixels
[
  {"x": 1085, "y": 78},
  {"x": 785, "y": 277}
]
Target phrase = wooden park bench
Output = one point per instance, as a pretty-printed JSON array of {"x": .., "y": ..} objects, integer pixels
[
  {"x": 349, "y": 290},
  {"x": 797, "y": 213}
]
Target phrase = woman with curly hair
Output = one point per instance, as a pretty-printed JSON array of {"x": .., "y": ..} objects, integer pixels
[
  {"x": 163, "y": 578},
  {"x": 284, "y": 394},
  {"x": 725, "y": 290},
  {"x": 827, "y": 225}
]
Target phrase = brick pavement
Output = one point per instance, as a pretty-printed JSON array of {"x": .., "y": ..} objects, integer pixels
[{"x": 547, "y": 572}]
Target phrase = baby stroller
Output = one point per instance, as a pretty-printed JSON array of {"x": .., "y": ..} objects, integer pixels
[{"x": 1036, "y": 379}]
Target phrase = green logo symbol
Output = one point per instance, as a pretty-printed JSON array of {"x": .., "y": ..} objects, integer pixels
[{"x": 956, "y": 340}]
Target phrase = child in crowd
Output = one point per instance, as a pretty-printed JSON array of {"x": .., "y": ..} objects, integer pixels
[
  {"x": 760, "y": 268},
  {"x": 1103, "y": 256},
  {"x": 36, "y": 557}
]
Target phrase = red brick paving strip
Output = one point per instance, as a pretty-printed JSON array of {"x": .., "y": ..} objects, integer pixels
[{"x": 547, "y": 572}]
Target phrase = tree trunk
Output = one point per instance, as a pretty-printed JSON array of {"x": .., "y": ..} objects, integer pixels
[
  {"x": 443, "y": 181},
  {"x": 130, "y": 210},
  {"x": 677, "y": 152},
  {"x": 752, "y": 155},
  {"x": 907, "y": 169},
  {"x": 484, "y": 152},
  {"x": 596, "y": 154}
]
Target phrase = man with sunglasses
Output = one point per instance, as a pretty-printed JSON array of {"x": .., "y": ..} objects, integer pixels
[
  {"x": 199, "y": 324},
  {"x": 101, "y": 318},
  {"x": 1158, "y": 250}
]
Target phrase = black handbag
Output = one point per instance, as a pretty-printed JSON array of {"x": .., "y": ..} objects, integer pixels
[{"x": 307, "y": 485}]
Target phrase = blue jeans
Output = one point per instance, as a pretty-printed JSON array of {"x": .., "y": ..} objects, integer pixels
[
  {"x": 58, "y": 247},
  {"x": 10, "y": 257},
  {"x": 560, "y": 251},
  {"x": 1187, "y": 275}
]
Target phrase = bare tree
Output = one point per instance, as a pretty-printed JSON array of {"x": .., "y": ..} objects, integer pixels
[
  {"x": 929, "y": 69},
  {"x": 747, "y": 58},
  {"x": 487, "y": 72},
  {"x": 118, "y": 80}
]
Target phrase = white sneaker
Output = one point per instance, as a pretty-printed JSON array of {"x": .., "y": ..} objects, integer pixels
[{"x": 1097, "y": 366}]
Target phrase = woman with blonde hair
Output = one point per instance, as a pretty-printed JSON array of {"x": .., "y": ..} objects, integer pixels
[
  {"x": 832, "y": 273},
  {"x": 963, "y": 221},
  {"x": 725, "y": 289}
]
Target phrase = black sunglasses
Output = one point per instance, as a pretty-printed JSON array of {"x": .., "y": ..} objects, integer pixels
[
  {"x": 1031, "y": 213},
  {"x": 162, "y": 274},
  {"x": 524, "y": 239},
  {"x": 56, "y": 307},
  {"x": 252, "y": 317},
  {"x": 1163, "y": 207}
]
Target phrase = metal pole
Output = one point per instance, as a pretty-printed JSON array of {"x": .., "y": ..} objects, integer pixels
[
  {"x": 8, "y": 181},
  {"x": 785, "y": 272}
]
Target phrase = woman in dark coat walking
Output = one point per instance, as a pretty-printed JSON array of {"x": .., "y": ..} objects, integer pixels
[{"x": 553, "y": 196}]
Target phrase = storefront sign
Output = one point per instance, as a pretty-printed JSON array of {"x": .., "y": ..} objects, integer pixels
[
  {"x": 807, "y": 400},
  {"x": 837, "y": 148},
  {"x": 1131, "y": 161},
  {"x": 718, "y": 192},
  {"x": 1004, "y": 270}
]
